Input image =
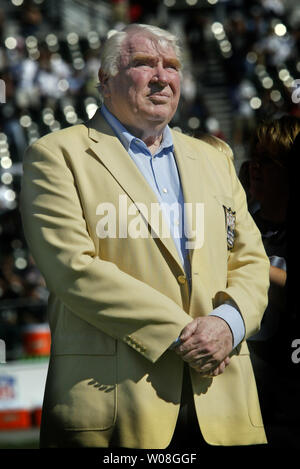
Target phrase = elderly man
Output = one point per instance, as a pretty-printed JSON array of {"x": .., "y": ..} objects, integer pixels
[{"x": 156, "y": 271}]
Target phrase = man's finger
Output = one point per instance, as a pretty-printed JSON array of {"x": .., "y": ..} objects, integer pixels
[
  {"x": 219, "y": 370},
  {"x": 209, "y": 369},
  {"x": 191, "y": 346},
  {"x": 189, "y": 330}
]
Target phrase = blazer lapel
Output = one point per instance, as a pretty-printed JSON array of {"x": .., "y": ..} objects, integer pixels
[
  {"x": 192, "y": 172},
  {"x": 193, "y": 192},
  {"x": 109, "y": 150}
]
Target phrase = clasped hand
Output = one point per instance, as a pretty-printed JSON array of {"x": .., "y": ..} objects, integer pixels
[{"x": 206, "y": 343}]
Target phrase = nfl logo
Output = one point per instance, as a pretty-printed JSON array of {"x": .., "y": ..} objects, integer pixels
[{"x": 7, "y": 388}]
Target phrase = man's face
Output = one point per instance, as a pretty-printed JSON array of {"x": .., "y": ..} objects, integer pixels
[{"x": 144, "y": 94}]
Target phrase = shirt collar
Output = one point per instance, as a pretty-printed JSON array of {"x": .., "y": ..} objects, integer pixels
[{"x": 127, "y": 138}]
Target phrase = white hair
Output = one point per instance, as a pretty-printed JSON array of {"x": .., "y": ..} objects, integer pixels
[{"x": 112, "y": 48}]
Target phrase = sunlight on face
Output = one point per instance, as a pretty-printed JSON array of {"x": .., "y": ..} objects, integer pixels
[{"x": 146, "y": 90}]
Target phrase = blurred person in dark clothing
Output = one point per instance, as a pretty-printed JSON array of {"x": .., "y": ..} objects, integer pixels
[
  {"x": 31, "y": 18},
  {"x": 270, "y": 349}
]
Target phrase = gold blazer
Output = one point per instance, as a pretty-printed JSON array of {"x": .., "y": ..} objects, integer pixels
[{"x": 117, "y": 303}]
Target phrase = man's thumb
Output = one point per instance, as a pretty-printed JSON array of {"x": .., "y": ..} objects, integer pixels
[{"x": 189, "y": 330}]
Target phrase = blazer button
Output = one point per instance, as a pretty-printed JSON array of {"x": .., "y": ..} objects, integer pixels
[{"x": 181, "y": 279}]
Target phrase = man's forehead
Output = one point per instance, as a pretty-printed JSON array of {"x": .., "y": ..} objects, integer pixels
[{"x": 139, "y": 43}]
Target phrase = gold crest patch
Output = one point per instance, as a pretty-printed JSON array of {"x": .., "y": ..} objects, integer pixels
[{"x": 230, "y": 226}]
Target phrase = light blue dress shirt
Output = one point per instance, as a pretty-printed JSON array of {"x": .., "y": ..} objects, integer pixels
[{"x": 161, "y": 173}]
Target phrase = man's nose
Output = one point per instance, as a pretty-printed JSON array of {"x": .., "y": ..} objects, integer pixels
[{"x": 160, "y": 75}]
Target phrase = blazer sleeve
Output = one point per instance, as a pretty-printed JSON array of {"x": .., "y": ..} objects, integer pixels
[
  {"x": 95, "y": 290},
  {"x": 248, "y": 266}
]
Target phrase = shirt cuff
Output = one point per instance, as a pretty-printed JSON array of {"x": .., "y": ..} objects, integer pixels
[
  {"x": 232, "y": 316},
  {"x": 278, "y": 262},
  {"x": 175, "y": 344}
]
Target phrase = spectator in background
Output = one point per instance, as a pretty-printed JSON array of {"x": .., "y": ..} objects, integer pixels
[
  {"x": 275, "y": 50},
  {"x": 269, "y": 188},
  {"x": 31, "y": 18},
  {"x": 293, "y": 326}
]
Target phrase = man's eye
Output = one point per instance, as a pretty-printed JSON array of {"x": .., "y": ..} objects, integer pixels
[
  {"x": 142, "y": 64},
  {"x": 172, "y": 66}
]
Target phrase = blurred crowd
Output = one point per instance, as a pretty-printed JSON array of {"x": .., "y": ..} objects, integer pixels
[{"x": 49, "y": 69}]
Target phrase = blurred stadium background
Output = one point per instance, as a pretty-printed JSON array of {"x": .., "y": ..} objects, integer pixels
[{"x": 241, "y": 63}]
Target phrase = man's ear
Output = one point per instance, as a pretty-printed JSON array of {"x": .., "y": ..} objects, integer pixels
[{"x": 103, "y": 80}]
